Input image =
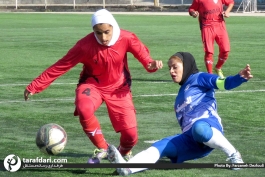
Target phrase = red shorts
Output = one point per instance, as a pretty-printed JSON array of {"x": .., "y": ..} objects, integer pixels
[
  {"x": 119, "y": 104},
  {"x": 216, "y": 32}
]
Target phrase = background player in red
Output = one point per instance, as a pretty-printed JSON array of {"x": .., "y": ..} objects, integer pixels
[
  {"x": 213, "y": 28},
  {"x": 105, "y": 78}
]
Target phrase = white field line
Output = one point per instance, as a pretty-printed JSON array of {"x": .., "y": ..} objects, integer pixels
[
  {"x": 225, "y": 92},
  {"x": 151, "y": 82},
  {"x": 154, "y": 95},
  {"x": 150, "y": 141},
  {"x": 21, "y": 84}
]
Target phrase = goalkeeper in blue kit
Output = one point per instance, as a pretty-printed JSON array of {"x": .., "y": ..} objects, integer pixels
[{"x": 196, "y": 112}]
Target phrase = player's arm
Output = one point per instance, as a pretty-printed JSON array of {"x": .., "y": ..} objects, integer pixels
[
  {"x": 228, "y": 83},
  {"x": 234, "y": 81},
  {"x": 230, "y": 5},
  {"x": 142, "y": 54},
  {"x": 193, "y": 9},
  {"x": 53, "y": 72}
]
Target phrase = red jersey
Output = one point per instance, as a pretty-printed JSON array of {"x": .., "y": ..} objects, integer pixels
[
  {"x": 209, "y": 10},
  {"x": 103, "y": 66}
]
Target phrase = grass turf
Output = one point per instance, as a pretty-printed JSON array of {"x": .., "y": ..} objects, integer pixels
[{"x": 32, "y": 42}]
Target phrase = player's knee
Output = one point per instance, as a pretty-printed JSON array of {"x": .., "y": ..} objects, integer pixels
[
  {"x": 86, "y": 109},
  {"x": 224, "y": 55},
  {"x": 201, "y": 131}
]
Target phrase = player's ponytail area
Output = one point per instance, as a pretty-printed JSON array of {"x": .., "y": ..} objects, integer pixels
[{"x": 31, "y": 42}]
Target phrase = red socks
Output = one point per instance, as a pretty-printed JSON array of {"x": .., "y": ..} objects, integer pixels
[
  {"x": 208, "y": 60},
  {"x": 92, "y": 129},
  {"x": 221, "y": 59},
  {"x": 128, "y": 139}
]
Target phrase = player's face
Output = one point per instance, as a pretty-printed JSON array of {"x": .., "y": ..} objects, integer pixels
[
  {"x": 175, "y": 67},
  {"x": 103, "y": 32}
]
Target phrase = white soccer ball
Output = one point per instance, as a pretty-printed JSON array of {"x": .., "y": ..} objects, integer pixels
[{"x": 51, "y": 139}]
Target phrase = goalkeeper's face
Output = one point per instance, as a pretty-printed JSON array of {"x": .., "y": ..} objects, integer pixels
[{"x": 175, "y": 66}]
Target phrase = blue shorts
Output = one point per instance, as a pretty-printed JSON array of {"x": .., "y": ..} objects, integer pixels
[{"x": 182, "y": 147}]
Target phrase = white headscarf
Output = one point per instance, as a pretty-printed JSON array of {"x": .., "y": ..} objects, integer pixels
[{"x": 104, "y": 16}]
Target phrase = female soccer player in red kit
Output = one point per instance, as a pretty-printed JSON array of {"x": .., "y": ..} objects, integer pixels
[
  {"x": 105, "y": 78},
  {"x": 213, "y": 28}
]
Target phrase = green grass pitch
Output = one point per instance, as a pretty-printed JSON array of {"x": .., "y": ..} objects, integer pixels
[{"x": 29, "y": 43}]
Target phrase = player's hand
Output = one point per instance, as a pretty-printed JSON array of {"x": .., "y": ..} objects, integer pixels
[
  {"x": 245, "y": 73},
  {"x": 226, "y": 14},
  {"x": 194, "y": 14},
  {"x": 26, "y": 95},
  {"x": 156, "y": 64}
]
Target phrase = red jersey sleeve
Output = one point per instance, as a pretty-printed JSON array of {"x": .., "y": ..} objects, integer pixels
[
  {"x": 227, "y": 2},
  {"x": 140, "y": 52},
  {"x": 194, "y": 6},
  {"x": 59, "y": 68}
]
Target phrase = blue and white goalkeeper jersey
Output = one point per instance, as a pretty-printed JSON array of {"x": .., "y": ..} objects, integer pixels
[{"x": 196, "y": 97}]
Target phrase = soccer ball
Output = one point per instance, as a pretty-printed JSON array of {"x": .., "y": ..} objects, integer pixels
[{"x": 51, "y": 139}]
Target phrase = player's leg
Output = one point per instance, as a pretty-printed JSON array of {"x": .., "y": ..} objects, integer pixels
[
  {"x": 123, "y": 118},
  {"x": 203, "y": 132},
  {"x": 222, "y": 39},
  {"x": 128, "y": 139},
  {"x": 208, "y": 60},
  {"x": 212, "y": 136},
  {"x": 208, "y": 46},
  {"x": 150, "y": 155},
  {"x": 177, "y": 148},
  {"x": 87, "y": 102},
  {"x": 218, "y": 141}
]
